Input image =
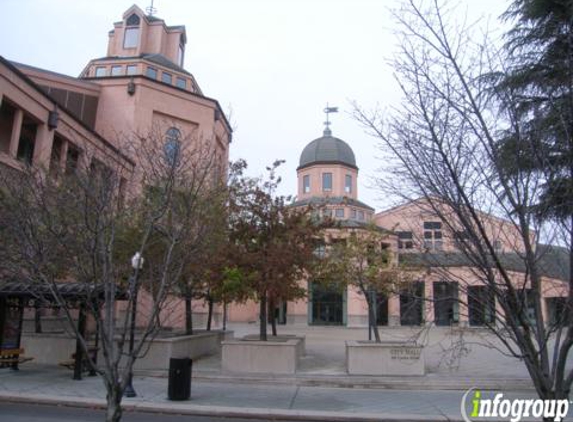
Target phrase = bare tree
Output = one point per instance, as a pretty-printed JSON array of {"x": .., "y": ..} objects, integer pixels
[
  {"x": 444, "y": 142},
  {"x": 83, "y": 227}
]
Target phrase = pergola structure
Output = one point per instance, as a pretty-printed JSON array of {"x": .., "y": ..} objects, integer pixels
[{"x": 17, "y": 295}]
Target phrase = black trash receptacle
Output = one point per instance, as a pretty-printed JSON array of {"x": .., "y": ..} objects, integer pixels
[{"x": 179, "y": 387}]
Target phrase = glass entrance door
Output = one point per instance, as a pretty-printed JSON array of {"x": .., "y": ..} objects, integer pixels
[
  {"x": 446, "y": 303},
  {"x": 327, "y": 305}
]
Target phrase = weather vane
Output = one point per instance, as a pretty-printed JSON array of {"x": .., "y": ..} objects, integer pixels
[
  {"x": 327, "y": 111},
  {"x": 150, "y": 9}
]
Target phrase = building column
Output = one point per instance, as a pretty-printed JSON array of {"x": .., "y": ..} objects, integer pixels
[
  {"x": 463, "y": 308},
  {"x": 428, "y": 302},
  {"x": 394, "y": 310},
  {"x": 16, "y": 130},
  {"x": 43, "y": 147}
]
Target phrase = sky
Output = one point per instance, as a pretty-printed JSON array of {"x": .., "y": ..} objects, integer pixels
[{"x": 273, "y": 65}]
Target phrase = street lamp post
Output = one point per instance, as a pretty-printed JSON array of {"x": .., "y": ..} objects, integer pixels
[{"x": 136, "y": 264}]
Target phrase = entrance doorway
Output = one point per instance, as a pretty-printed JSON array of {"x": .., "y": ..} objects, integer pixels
[
  {"x": 412, "y": 304},
  {"x": 481, "y": 306},
  {"x": 381, "y": 309},
  {"x": 446, "y": 305},
  {"x": 327, "y": 305}
]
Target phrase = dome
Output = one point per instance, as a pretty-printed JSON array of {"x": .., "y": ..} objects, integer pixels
[{"x": 327, "y": 149}]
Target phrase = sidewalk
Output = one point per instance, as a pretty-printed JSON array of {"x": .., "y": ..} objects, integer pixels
[
  {"x": 321, "y": 390},
  {"x": 49, "y": 385}
]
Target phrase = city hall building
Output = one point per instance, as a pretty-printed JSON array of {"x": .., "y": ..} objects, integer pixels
[
  {"x": 446, "y": 292},
  {"x": 48, "y": 120}
]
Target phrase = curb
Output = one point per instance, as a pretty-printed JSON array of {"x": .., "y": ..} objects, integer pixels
[
  {"x": 427, "y": 382},
  {"x": 179, "y": 408}
]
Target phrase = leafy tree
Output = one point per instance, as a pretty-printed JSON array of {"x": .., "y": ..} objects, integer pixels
[
  {"x": 361, "y": 258},
  {"x": 539, "y": 73},
  {"x": 273, "y": 242}
]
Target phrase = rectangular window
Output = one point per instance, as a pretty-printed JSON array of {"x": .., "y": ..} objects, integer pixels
[
  {"x": 327, "y": 212},
  {"x": 348, "y": 184},
  {"x": 151, "y": 73},
  {"x": 326, "y": 182},
  {"x": 405, "y": 240},
  {"x": 101, "y": 72},
  {"x": 339, "y": 213},
  {"x": 131, "y": 38},
  {"x": 433, "y": 235},
  {"x": 361, "y": 215},
  {"x": 166, "y": 78},
  {"x": 27, "y": 142},
  {"x": 181, "y": 83},
  {"x": 306, "y": 183},
  {"x": 353, "y": 214},
  {"x": 116, "y": 70},
  {"x": 132, "y": 69}
]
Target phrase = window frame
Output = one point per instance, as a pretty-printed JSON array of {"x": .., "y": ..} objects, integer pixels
[
  {"x": 131, "y": 41},
  {"x": 306, "y": 183},
  {"x": 327, "y": 176},
  {"x": 116, "y": 67},
  {"x": 348, "y": 183},
  {"x": 149, "y": 70},
  {"x": 99, "y": 69},
  {"x": 131, "y": 66},
  {"x": 167, "y": 78}
]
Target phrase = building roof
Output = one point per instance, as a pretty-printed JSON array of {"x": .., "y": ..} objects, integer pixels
[
  {"x": 332, "y": 200},
  {"x": 72, "y": 290},
  {"x": 553, "y": 261},
  {"x": 327, "y": 150},
  {"x": 31, "y": 83}
]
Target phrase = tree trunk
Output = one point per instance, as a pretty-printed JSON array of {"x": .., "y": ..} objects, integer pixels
[
  {"x": 371, "y": 300},
  {"x": 113, "y": 412},
  {"x": 224, "y": 316},
  {"x": 210, "y": 313},
  {"x": 188, "y": 316},
  {"x": 263, "y": 317},
  {"x": 272, "y": 317}
]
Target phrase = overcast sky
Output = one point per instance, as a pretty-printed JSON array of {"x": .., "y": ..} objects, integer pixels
[{"x": 276, "y": 63}]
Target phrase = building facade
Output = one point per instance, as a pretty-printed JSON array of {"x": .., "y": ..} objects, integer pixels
[
  {"x": 139, "y": 88},
  {"x": 446, "y": 291}
]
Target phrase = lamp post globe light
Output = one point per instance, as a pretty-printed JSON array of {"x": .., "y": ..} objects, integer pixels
[{"x": 136, "y": 264}]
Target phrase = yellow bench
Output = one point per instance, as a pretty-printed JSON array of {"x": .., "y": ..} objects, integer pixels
[{"x": 13, "y": 357}]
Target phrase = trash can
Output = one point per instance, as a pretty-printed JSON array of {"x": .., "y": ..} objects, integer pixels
[{"x": 179, "y": 386}]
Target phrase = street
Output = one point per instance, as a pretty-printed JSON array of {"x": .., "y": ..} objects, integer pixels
[{"x": 20, "y": 412}]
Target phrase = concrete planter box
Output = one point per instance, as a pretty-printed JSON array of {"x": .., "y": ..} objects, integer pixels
[
  {"x": 51, "y": 349},
  {"x": 160, "y": 350},
  {"x": 48, "y": 348},
  {"x": 386, "y": 358},
  {"x": 278, "y": 355}
]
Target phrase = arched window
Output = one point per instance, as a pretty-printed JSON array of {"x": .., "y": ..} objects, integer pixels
[
  {"x": 172, "y": 146},
  {"x": 131, "y": 37}
]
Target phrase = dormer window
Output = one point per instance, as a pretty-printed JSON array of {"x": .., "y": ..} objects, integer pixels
[{"x": 131, "y": 37}]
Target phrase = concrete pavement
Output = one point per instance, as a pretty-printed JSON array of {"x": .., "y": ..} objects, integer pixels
[
  {"x": 321, "y": 390},
  {"x": 49, "y": 385}
]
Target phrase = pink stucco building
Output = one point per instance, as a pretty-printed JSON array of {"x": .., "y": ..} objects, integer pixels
[
  {"x": 446, "y": 292},
  {"x": 139, "y": 86}
]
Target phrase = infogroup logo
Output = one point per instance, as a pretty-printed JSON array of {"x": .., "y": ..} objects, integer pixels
[{"x": 512, "y": 410}]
